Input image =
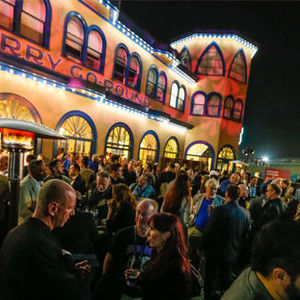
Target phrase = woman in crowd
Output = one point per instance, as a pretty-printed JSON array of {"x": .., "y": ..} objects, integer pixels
[
  {"x": 167, "y": 275},
  {"x": 177, "y": 199},
  {"x": 121, "y": 209}
]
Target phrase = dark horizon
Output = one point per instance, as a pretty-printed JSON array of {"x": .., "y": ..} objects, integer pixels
[{"x": 271, "y": 126}]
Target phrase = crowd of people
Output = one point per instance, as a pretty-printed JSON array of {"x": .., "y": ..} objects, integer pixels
[{"x": 109, "y": 228}]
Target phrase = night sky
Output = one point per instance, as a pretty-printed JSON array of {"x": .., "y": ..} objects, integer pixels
[{"x": 272, "y": 115}]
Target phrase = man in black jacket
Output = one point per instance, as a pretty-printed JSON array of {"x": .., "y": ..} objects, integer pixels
[
  {"x": 222, "y": 241},
  {"x": 32, "y": 264}
]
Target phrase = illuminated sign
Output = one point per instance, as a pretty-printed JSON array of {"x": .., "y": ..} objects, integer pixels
[{"x": 17, "y": 47}]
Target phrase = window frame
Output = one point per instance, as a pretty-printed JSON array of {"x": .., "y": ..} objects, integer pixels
[
  {"x": 189, "y": 56},
  {"x": 155, "y": 86},
  {"x": 245, "y": 66},
  {"x": 204, "y": 106},
  {"x": 162, "y": 73},
  {"x": 177, "y": 96},
  {"x": 213, "y": 44},
  {"x": 115, "y": 58},
  {"x": 138, "y": 83},
  {"x": 209, "y": 96},
  {"x": 238, "y": 100},
  {"x": 178, "y": 148},
  {"x": 229, "y": 97},
  {"x": 157, "y": 144}
]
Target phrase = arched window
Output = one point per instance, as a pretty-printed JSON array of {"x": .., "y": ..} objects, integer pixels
[
  {"x": 198, "y": 104},
  {"x": 211, "y": 62},
  {"x": 119, "y": 141},
  {"x": 151, "y": 82},
  {"x": 201, "y": 151},
  {"x": 134, "y": 71},
  {"x": 238, "y": 68},
  {"x": 186, "y": 58},
  {"x": 33, "y": 18},
  {"x": 171, "y": 148},
  {"x": 120, "y": 65},
  {"x": 80, "y": 131},
  {"x": 177, "y": 96},
  {"x": 74, "y": 38},
  {"x": 7, "y": 11},
  {"x": 94, "y": 50},
  {"x": 213, "y": 105},
  {"x": 228, "y": 107},
  {"x": 149, "y": 147},
  {"x": 238, "y": 109},
  {"x": 161, "y": 87},
  {"x": 225, "y": 155}
]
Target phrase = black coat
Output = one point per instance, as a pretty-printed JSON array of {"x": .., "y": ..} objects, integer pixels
[
  {"x": 32, "y": 265},
  {"x": 79, "y": 185}
]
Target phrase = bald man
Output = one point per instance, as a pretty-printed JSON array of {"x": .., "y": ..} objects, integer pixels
[{"x": 32, "y": 265}]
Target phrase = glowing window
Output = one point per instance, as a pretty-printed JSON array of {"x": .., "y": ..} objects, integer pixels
[
  {"x": 171, "y": 149},
  {"x": 7, "y": 9},
  {"x": 161, "y": 88},
  {"x": 226, "y": 153},
  {"x": 198, "y": 104},
  {"x": 238, "y": 70},
  {"x": 79, "y": 133},
  {"x": 177, "y": 96},
  {"x": 94, "y": 50},
  {"x": 133, "y": 72},
  {"x": 120, "y": 65},
  {"x": 181, "y": 98},
  {"x": 74, "y": 38},
  {"x": 33, "y": 19},
  {"x": 151, "y": 82},
  {"x": 228, "y": 107},
  {"x": 148, "y": 148},
  {"x": 118, "y": 142},
  {"x": 186, "y": 59},
  {"x": 174, "y": 94},
  {"x": 213, "y": 105},
  {"x": 211, "y": 62},
  {"x": 237, "y": 111},
  {"x": 200, "y": 152}
]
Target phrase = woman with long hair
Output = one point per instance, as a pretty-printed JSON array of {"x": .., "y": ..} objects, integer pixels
[
  {"x": 167, "y": 275},
  {"x": 177, "y": 199},
  {"x": 121, "y": 208}
]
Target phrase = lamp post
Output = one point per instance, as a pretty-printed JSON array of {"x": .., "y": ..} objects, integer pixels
[{"x": 17, "y": 137}]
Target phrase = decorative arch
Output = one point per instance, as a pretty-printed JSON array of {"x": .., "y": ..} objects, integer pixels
[
  {"x": 119, "y": 140},
  {"x": 211, "y": 61},
  {"x": 205, "y": 154},
  {"x": 129, "y": 72},
  {"x": 171, "y": 149},
  {"x": 119, "y": 72},
  {"x": 102, "y": 53},
  {"x": 152, "y": 81},
  {"x": 84, "y": 128},
  {"x": 238, "y": 67},
  {"x": 72, "y": 15},
  {"x": 149, "y": 149},
  {"x": 186, "y": 60}
]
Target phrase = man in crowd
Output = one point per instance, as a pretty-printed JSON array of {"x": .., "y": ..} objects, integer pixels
[
  {"x": 87, "y": 175},
  {"x": 275, "y": 267},
  {"x": 252, "y": 187},
  {"x": 71, "y": 159},
  {"x": 29, "y": 158},
  {"x": 29, "y": 188},
  {"x": 76, "y": 181},
  {"x": 148, "y": 169},
  {"x": 142, "y": 189},
  {"x": 129, "y": 249},
  {"x": 222, "y": 241},
  {"x": 57, "y": 171},
  {"x": 129, "y": 173},
  {"x": 116, "y": 174},
  {"x": 4, "y": 165},
  {"x": 244, "y": 200},
  {"x": 32, "y": 265},
  {"x": 233, "y": 180}
]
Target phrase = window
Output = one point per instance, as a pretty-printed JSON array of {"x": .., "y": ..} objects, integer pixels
[
  {"x": 211, "y": 62},
  {"x": 186, "y": 58},
  {"x": 94, "y": 50},
  {"x": 149, "y": 148},
  {"x": 120, "y": 65},
  {"x": 79, "y": 133},
  {"x": 228, "y": 107},
  {"x": 151, "y": 82},
  {"x": 171, "y": 148},
  {"x": 226, "y": 154},
  {"x": 119, "y": 141},
  {"x": 177, "y": 96},
  {"x": 238, "y": 109},
  {"x": 200, "y": 151},
  {"x": 33, "y": 18},
  {"x": 213, "y": 105},
  {"x": 7, "y": 10},
  {"x": 238, "y": 68},
  {"x": 74, "y": 38},
  {"x": 198, "y": 104},
  {"x": 161, "y": 88},
  {"x": 133, "y": 72}
]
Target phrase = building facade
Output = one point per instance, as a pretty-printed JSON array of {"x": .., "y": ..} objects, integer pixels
[{"x": 73, "y": 66}]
